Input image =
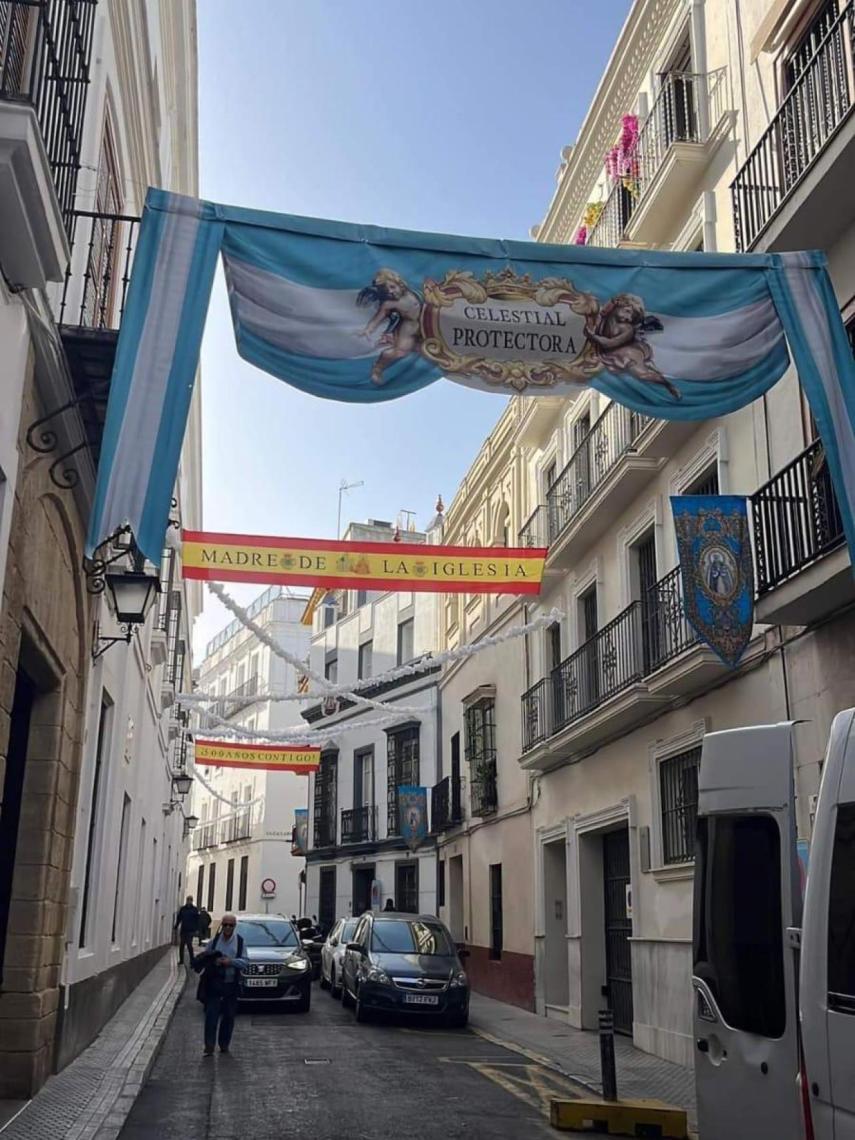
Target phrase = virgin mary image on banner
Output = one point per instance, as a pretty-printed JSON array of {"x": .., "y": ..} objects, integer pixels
[
  {"x": 412, "y": 814},
  {"x": 716, "y": 570}
]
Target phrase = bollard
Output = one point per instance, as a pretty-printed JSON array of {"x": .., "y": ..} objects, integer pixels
[{"x": 607, "y": 1054}]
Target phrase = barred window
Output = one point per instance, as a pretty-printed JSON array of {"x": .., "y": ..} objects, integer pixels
[
  {"x": 480, "y": 745},
  {"x": 678, "y": 789}
]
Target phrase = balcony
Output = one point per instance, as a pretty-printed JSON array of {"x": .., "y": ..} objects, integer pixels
[
  {"x": 324, "y": 831},
  {"x": 676, "y": 141},
  {"x": 645, "y": 657},
  {"x": 359, "y": 825},
  {"x": 803, "y": 568},
  {"x": 608, "y": 464},
  {"x": 483, "y": 789},
  {"x": 795, "y": 188},
  {"x": 237, "y": 826},
  {"x": 205, "y": 836},
  {"x": 446, "y": 806},
  {"x": 45, "y": 48}
]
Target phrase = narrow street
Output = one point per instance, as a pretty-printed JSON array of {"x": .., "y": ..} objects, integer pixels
[{"x": 322, "y": 1075}]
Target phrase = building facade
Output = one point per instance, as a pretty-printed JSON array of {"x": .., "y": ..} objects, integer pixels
[
  {"x": 729, "y": 156},
  {"x": 97, "y": 101},
  {"x": 482, "y": 798},
  {"x": 245, "y": 818},
  {"x": 356, "y": 858}
]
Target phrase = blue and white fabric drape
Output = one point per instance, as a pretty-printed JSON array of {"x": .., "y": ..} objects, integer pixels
[{"x": 365, "y": 314}]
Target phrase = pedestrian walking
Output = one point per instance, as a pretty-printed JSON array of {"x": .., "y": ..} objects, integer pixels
[
  {"x": 220, "y": 964},
  {"x": 187, "y": 925},
  {"x": 204, "y": 926}
]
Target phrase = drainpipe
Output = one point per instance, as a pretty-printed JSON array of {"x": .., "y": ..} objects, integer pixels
[{"x": 699, "y": 65}]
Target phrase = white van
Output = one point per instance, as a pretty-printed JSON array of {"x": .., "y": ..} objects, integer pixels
[{"x": 757, "y": 958}]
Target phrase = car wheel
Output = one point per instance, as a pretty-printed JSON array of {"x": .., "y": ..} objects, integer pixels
[
  {"x": 305, "y": 1001},
  {"x": 335, "y": 989},
  {"x": 362, "y": 1014},
  {"x": 457, "y": 1020},
  {"x": 346, "y": 1000}
]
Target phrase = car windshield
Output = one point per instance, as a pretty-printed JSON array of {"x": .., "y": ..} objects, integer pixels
[
  {"x": 400, "y": 936},
  {"x": 267, "y": 932}
]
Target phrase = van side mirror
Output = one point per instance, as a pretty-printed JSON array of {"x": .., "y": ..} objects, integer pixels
[{"x": 356, "y": 947}]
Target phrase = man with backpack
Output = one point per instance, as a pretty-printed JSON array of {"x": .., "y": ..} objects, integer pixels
[
  {"x": 187, "y": 925},
  {"x": 220, "y": 964}
]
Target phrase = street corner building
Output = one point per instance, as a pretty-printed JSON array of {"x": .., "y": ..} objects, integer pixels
[
  {"x": 357, "y": 855},
  {"x": 90, "y": 825}
]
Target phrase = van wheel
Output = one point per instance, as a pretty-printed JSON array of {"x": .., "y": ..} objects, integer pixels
[
  {"x": 362, "y": 1014},
  {"x": 346, "y": 1000}
]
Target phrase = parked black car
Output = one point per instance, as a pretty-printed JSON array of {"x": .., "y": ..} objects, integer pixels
[
  {"x": 279, "y": 969},
  {"x": 405, "y": 963}
]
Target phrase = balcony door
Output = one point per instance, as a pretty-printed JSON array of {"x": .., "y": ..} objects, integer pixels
[
  {"x": 589, "y": 668},
  {"x": 678, "y": 103},
  {"x": 644, "y": 586},
  {"x": 363, "y": 793},
  {"x": 582, "y": 455}
]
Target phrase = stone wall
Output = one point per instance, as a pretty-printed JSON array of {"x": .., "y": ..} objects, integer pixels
[{"x": 44, "y": 630}]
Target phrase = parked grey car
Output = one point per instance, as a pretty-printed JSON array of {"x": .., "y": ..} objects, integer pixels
[
  {"x": 332, "y": 954},
  {"x": 279, "y": 969}
]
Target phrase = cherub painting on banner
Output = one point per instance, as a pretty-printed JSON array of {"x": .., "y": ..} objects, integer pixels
[{"x": 400, "y": 307}]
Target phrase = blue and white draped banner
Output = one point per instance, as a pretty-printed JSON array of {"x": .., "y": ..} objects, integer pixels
[
  {"x": 360, "y": 313},
  {"x": 301, "y": 830},
  {"x": 412, "y": 814},
  {"x": 717, "y": 571}
]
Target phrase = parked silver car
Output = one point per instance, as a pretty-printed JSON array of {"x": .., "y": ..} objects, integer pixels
[{"x": 332, "y": 954}]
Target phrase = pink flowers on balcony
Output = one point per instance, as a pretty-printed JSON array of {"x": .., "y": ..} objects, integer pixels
[{"x": 622, "y": 160}]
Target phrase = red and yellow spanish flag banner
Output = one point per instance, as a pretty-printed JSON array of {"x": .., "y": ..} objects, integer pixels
[
  {"x": 271, "y": 757},
  {"x": 362, "y": 565}
]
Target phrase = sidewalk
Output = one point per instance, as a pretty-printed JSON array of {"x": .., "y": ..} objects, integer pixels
[
  {"x": 91, "y": 1098},
  {"x": 576, "y": 1053}
]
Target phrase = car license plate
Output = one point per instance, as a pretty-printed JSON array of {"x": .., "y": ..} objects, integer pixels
[
  {"x": 421, "y": 999},
  {"x": 261, "y": 981}
]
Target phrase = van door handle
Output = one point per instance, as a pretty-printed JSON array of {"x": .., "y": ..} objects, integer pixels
[{"x": 703, "y": 1045}]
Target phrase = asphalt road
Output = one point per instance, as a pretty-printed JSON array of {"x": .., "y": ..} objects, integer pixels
[{"x": 320, "y": 1076}]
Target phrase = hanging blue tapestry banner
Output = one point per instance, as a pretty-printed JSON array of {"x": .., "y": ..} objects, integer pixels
[
  {"x": 412, "y": 814},
  {"x": 300, "y": 844},
  {"x": 362, "y": 313},
  {"x": 714, "y": 544}
]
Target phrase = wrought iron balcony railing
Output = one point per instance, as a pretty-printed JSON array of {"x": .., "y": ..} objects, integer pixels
[
  {"x": 535, "y": 714},
  {"x": 206, "y": 836},
  {"x": 613, "y": 434},
  {"x": 324, "y": 831},
  {"x": 816, "y": 105},
  {"x": 45, "y": 49},
  {"x": 796, "y": 519},
  {"x": 534, "y": 532},
  {"x": 237, "y": 826},
  {"x": 483, "y": 788},
  {"x": 682, "y": 112},
  {"x": 96, "y": 285},
  {"x": 642, "y": 638},
  {"x": 358, "y": 825},
  {"x": 446, "y": 805}
]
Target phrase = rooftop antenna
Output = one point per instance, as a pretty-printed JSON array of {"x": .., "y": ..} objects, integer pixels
[{"x": 343, "y": 487}]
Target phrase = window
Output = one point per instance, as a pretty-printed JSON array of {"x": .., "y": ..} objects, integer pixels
[
  {"x": 106, "y": 241},
  {"x": 326, "y": 779},
  {"x": 802, "y": 54},
  {"x": 331, "y": 669},
  {"x": 230, "y": 883},
  {"x": 553, "y": 643},
  {"x": 405, "y": 641},
  {"x": 841, "y": 929},
  {"x": 95, "y": 808},
  {"x": 706, "y": 483},
  {"x": 402, "y": 767},
  {"x": 440, "y": 883},
  {"x": 328, "y": 609},
  {"x": 267, "y": 932},
  {"x": 244, "y": 873},
  {"x": 397, "y": 936},
  {"x": 739, "y": 945},
  {"x": 496, "y": 929},
  {"x": 366, "y": 652},
  {"x": 200, "y": 884},
  {"x": 678, "y": 797},
  {"x": 480, "y": 745},
  {"x": 407, "y": 888},
  {"x": 212, "y": 885},
  {"x": 361, "y": 598},
  {"x": 120, "y": 866}
]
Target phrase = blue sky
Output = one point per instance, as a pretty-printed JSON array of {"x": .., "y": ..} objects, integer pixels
[{"x": 448, "y": 116}]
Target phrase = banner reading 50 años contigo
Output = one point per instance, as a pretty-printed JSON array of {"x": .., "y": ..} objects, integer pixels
[{"x": 362, "y": 313}]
